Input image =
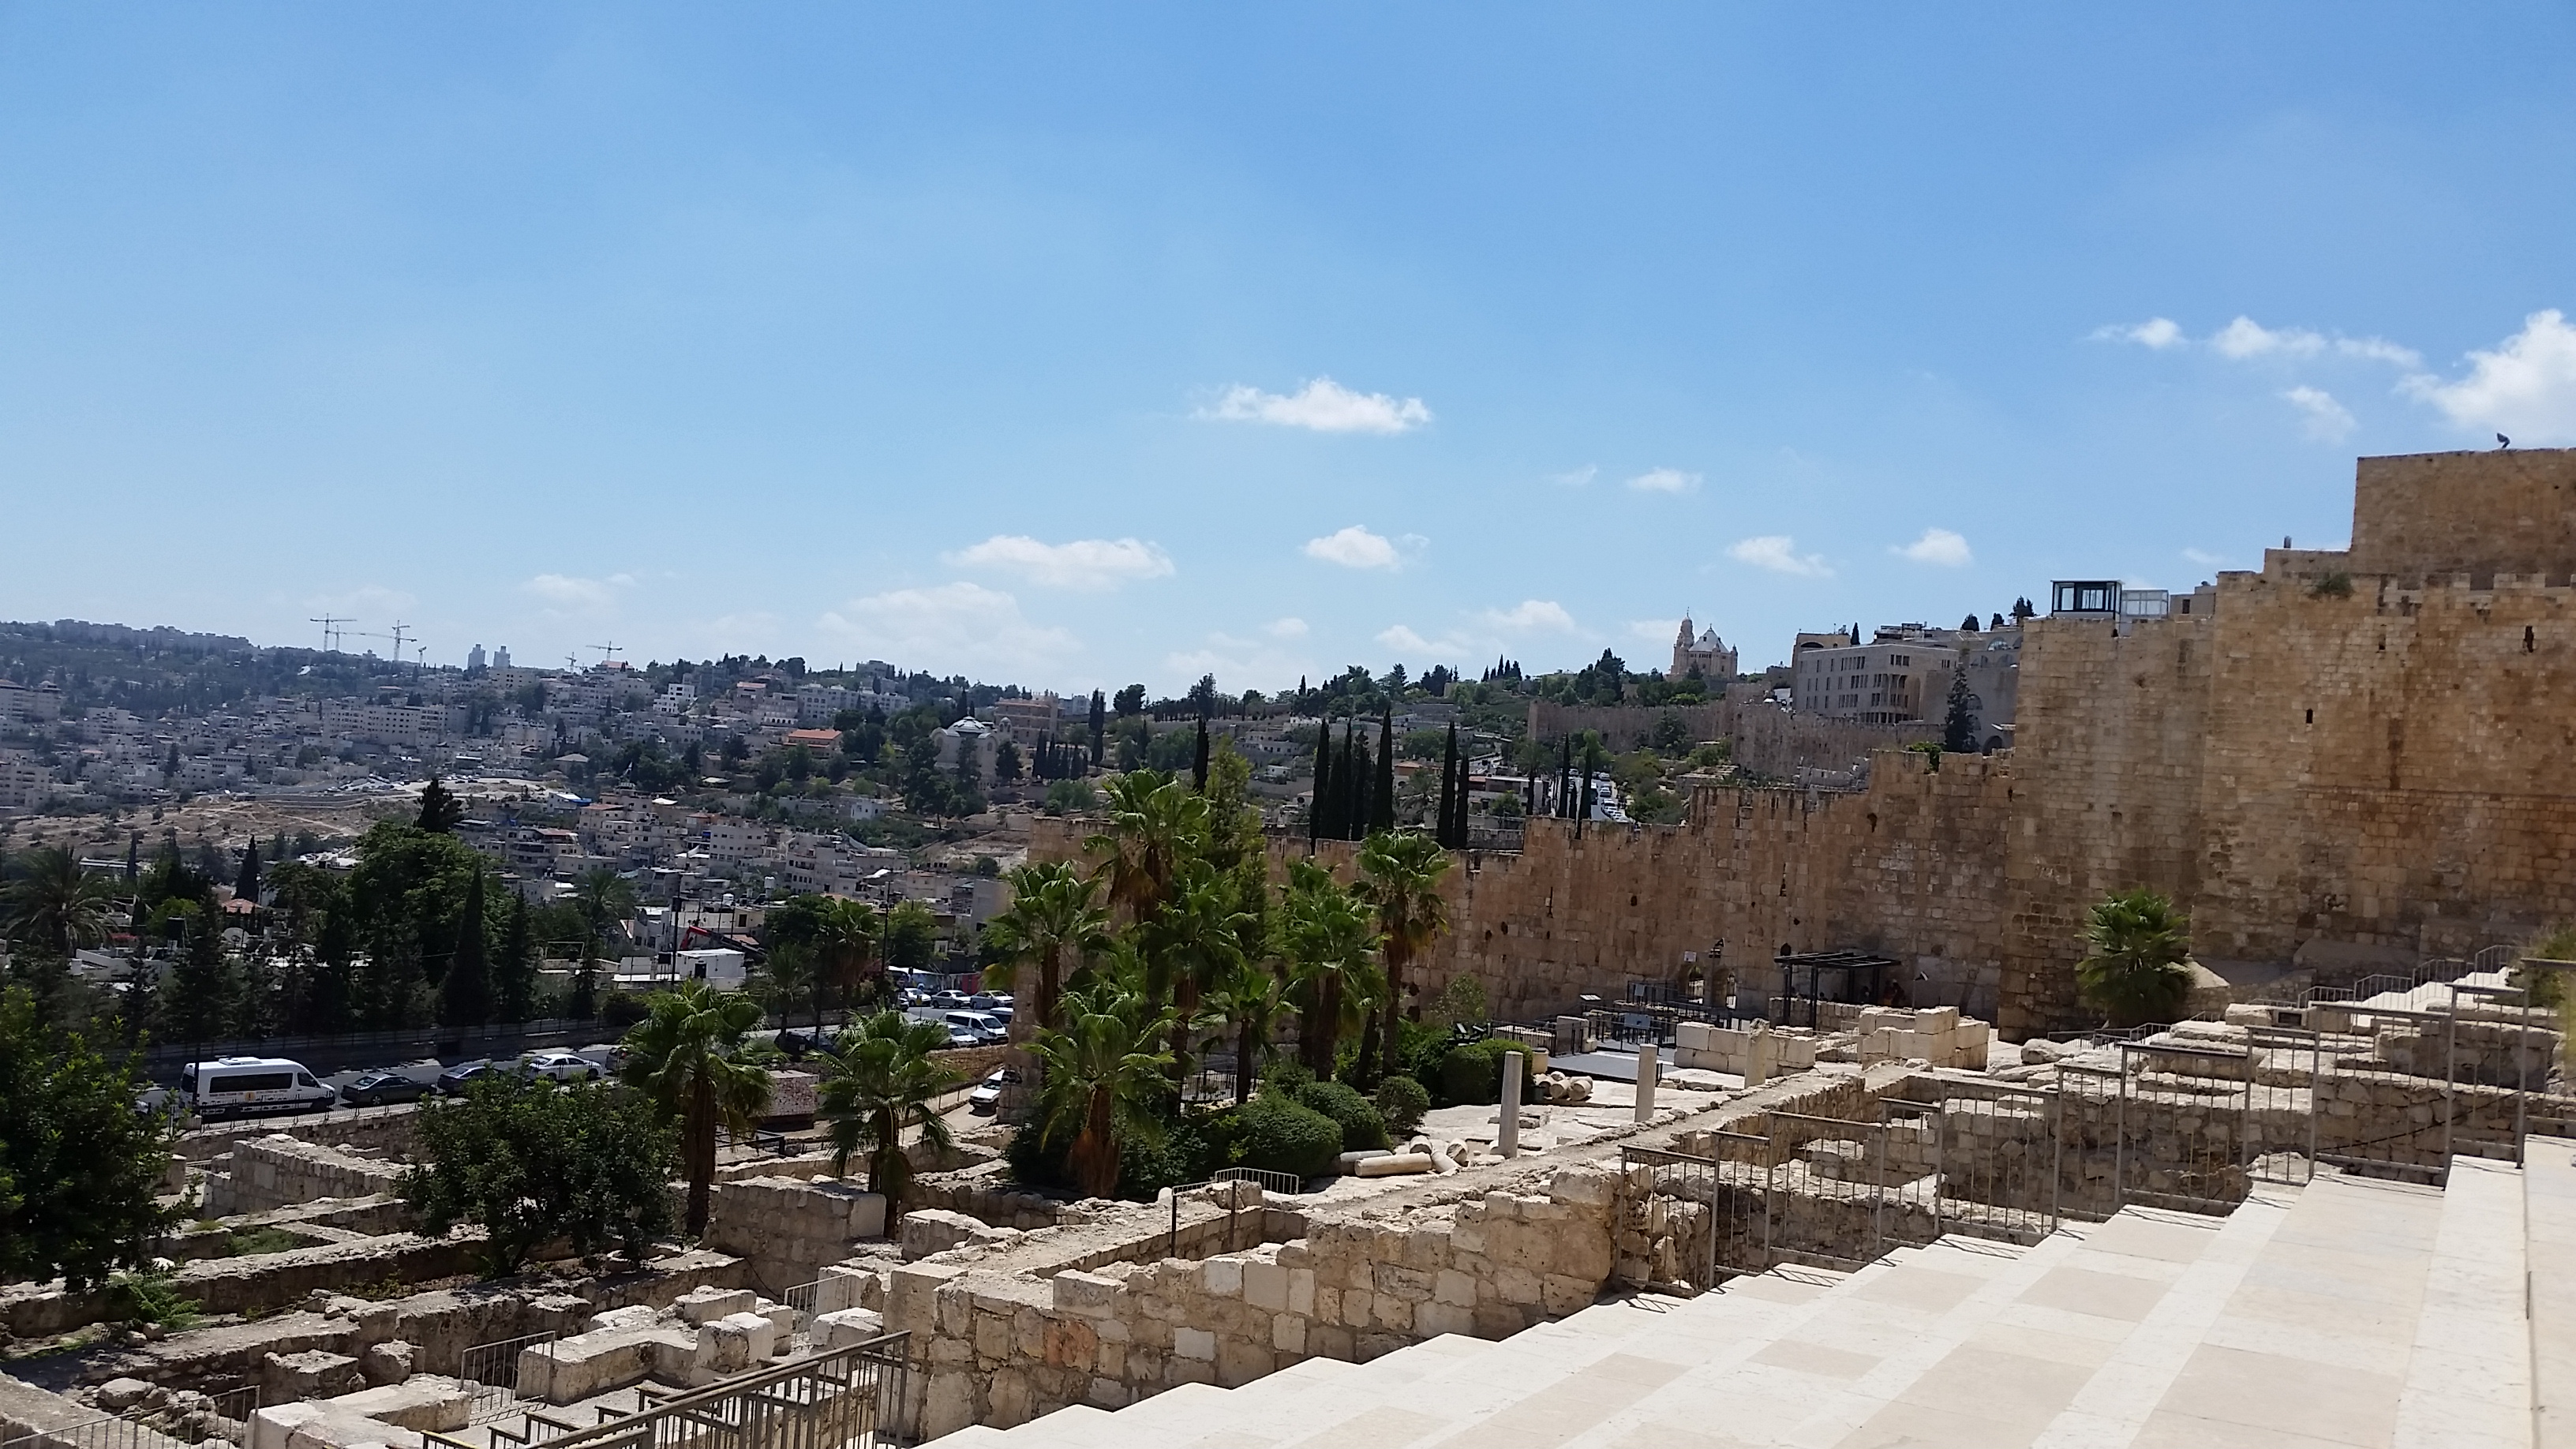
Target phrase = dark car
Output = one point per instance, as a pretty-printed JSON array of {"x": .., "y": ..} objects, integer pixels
[
  {"x": 454, "y": 1081},
  {"x": 375, "y": 1089}
]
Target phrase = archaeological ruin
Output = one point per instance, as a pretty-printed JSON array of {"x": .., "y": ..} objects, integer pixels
[{"x": 1735, "y": 1204}]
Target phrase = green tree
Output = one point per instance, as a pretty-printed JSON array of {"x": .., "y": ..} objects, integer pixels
[
  {"x": 1103, "y": 1081},
  {"x": 79, "y": 1166},
  {"x": 49, "y": 903},
  {"x": 1099, "y": 723},
  {"x": 1006, "y": 763},
  {"x": 2134, "y": 970},
  {"x": 1245, "y": 1002},
  {"x": 849, "y": 935},
  {"x": 1329, "y": 936},
  {"x": 1190, "y": 944},
  {"x": 1053, "y": 923},
  {"x": 911, "y": 937},
  {"x": 440, "y": 810},
  {"x": 1155, "y": 823},
  {"x": 1400, "y": 875},
  {"x": 1321, "y": 823},
  {"x": 1382, "y": 799},
  {"x": 794, "y": 970},
  {"x": 604, "y": 900},
  {"x": 515, "y": 977},
  {"x": 205, "y": 989},
  {"x": 880, "y": 1084},
  {"x": 529, "y": 1163},
  {"x": 465, "y": 988},
  {"x": 1959, "y": 726},
  {"x": 246, "y": 883},
  {"x": 686, "y": 1058}
]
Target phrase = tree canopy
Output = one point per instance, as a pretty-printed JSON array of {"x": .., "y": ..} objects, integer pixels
[{"x": 79, "y": 1165}]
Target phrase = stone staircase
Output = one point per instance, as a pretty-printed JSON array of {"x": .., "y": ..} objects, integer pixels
[{"x": 2347, "y": 1312}]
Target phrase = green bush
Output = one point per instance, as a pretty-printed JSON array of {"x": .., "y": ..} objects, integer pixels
[
  {"x": 1401, "y": 1101},
  {"x": 150, "y": 1298},
  {"x": 1471, "y": 1073},
  {"x": 622, "y": 1010},
  {"x": 1279, "y": 1134},
  {"x": 1286, "y": 1074},
  {"x": 1362, "y": 1128}
]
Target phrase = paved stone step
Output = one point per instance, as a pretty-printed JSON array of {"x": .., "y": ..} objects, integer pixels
[
  {"x": 2294, "y": 1329},
  {"x": 1856, "y": 1345},
  {"x": 2549, "y": 1227},
  {"x": 2468, "y": 1376}
]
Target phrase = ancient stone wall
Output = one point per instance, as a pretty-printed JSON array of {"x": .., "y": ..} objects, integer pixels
[
  {"x": 2472, "y": 513},
  {"x": 1000, "y": 1349},
  {"x": 1760, "y": 736},
  {"x": 278, "y": 1171}
]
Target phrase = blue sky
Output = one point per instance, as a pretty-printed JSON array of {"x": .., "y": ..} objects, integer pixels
[{"x": 1079, "y": 346}]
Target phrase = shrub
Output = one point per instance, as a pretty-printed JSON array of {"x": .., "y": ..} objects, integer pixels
[
  {"x": 1401, "y": 1101},
  {"x": 622, "y": 1010},
  {"x": 1286, "y": 1074},
  {"x": 1361, "y": 1126},
  {"x": 1471, "y": 1074},
  {"x": 1279, "y": 1134},
  {"x": 149, "y": 1298},
  {"x": 2135, "y": 971},
  {"x": 530, "y": 1164}
]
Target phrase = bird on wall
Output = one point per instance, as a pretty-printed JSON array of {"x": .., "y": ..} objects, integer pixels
[{"x": 2503, "y": 442}]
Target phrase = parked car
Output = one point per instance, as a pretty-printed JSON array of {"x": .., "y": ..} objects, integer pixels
[
  {"x": 454, "y": 1081},
  {"x": 962, "y": 1036},
  {"x": 952, "y": 1001},
  {"x": 986, "y": 1027},
  {"x": 986, "y": 1099},
  {"x": 996, "y": 1002},
  {"x": 560, "y": 1067},
  {"x": 375, "y": 1089}
]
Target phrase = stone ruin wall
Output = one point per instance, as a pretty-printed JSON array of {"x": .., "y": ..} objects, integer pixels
[{"x": 278, "y": 1171}]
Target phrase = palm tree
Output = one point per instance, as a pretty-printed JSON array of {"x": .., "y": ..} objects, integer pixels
[
  {"x": 1400, "y": 875},
  {"x": 1330, "y": 935},
  {"x": 1054, "y": 922},
  {"x": 50, "y": 903},
  {"x": 1104, "y": 1080},
  {"x": 793, "y": 971},
  {"x": 878, "y": 1084},
  {"x": 2134, "y": 972},
  {"x": 1245, "y": 1001},
  {"x": 687, "y": 1062},
  {"x": 848, "y": 933},
  {"x": 1189, "y": 945},
  {"x": 1155, "y": 823}
]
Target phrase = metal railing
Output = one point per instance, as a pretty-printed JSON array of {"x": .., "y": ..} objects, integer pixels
[
  {"x": 853, "y": 1397},
  {"x": 800, "y": 1299},
  {"x": 1263, "y": 1178},
  {"x": 180, "y": 1419},
  {"x": 490, "y": 1373}
]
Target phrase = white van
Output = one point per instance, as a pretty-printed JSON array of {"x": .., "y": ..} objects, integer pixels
[{"x": 229, "y": 1085}]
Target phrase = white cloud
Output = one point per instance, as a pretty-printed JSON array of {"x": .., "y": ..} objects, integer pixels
[
  {"x": 1357, "y": 548},
  {"x": 2156, "y": 332},
  {"x": 1665, "y": 480},
  {"x": 2245, "y": 337},
  {"x": 951, "y": 624},
  {"x": 1402, "y": 639},
  {"x": 2326, "y": 418},
  {"x": 1238, "y": 663},
  {"x": 1322, "y": 405},
  {"x": 2525, "y": 388},
  {"x": 1779, "y": 553},
  {"x": 2204, "y": 557},
  {"x": 1530, "y": 614},
  {"x": 1654, "y": 631},
  {"x": 567, "y": 591},
  {"x": 1291, "y": 627},
  {"x": 1084, "y": 563},
  {"x": 1576, "y": 477},
  {"x": 1938, "y": 546},
  {"x": 2379, "y": 349}
]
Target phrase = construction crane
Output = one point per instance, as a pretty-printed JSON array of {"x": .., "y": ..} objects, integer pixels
[
  {"x": 331, "y": 631},
  {"x": 607, "y": 652},
  {"x": 401, "y": 631}
]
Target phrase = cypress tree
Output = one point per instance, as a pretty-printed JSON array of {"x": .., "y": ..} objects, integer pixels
[
  {"x": 1453, "y": 794},
  {"x": 1199, "y": 755},
  {"x": 1320, "y": 809},
  {"x": 1099, "y": 725},
  {"x": 1448, "y": 788},
  {"x": 246, "y": 884},
  {"x": 465, "y": 991},
  {"x": 1383, "y": 816},
  {"x": 1360, "y": 775},
  {"x": 1565, "y": 778},
  {"x": 516, "y": 981},
  {"x": 134, "y": 855}
]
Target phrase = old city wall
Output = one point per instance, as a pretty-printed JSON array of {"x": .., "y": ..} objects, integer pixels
[
  {"x": 1760, "y": 736},
  {"x": 2434, "y": 514}
]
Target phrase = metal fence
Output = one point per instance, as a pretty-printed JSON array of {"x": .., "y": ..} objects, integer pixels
[
  {"x": 854, "y": 1397},
  {"x": 800, "y": 1299},
  {"x": 182, "y": 1418},
  {"x": 490, "y": 1373}
]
